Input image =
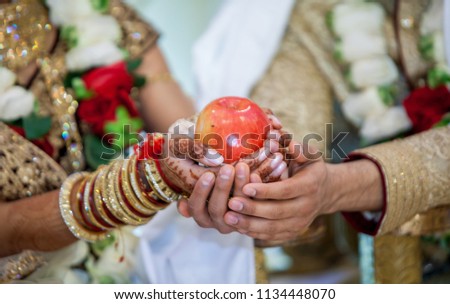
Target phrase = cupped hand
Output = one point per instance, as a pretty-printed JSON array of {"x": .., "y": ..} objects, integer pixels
[
  {"x": 281, "y": 210},
  {"x": 209, "y": 199}
]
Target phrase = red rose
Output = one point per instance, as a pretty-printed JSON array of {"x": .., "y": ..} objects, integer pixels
[
  {"x": 96, "y": 111},
  {"x": 426, "y": 107},
  {"x": 41, "y": 143},
  {"x": 111, "y": 87},
  {"x": 107, "y": 80}
]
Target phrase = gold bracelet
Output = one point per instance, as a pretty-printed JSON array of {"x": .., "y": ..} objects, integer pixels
[
  {"x": 137, "y": 189},
  {"x": 130, "y": 195},
  {"x": 112, "y": 202},
  {"x": 161, "y": 189},
  {"x": 86, "y": 206},
  {"x": 98, "y": 198},
  {"x": 161, "y": 77},
  {"x": 67, "y": 214}
]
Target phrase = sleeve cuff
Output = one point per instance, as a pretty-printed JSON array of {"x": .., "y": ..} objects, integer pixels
[{"x": 357, "y": 220}]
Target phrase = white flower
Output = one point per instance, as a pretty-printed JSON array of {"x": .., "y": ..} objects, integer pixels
[
  {"x": 96, "y": 29},
  {"x": 103, "y": 53},
  {"x": 357, "y": 45},
  {"x": 433, "y": 18},
  {"x": 59, "y": 265},
  {"x": 386, "y": 125},
  {"x": 63, "y": 12},
  {"x": 15, "y": 103},
  {"x": 375, "y": 71},
  {"x": 366, "y": 17},
  {"x": 116, "y": 264},
  {"x": 362, "y": 105},
  {"x": 7, "y": 79}
]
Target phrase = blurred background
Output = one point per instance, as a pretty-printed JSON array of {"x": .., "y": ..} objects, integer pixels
[{"x": 180, "y": 23}]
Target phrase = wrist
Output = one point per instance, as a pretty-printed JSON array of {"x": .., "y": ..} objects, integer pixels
[{"x": 355, "y": 186}]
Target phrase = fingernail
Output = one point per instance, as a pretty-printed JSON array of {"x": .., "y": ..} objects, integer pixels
[
  {"x": 236, "y": 205},
  {"x": 275, "y": 120},
  {"x": 279, "y": 170},
  {"x": 214, "y": 158},
  {"x": 249, "y": 191},
  {"x": 276, "y": 161},
  {"x": 240, "y": 172},
  {"x": 231, "y": 219},
  {"x": 225, "y": 173},
  {"x": 207, "y": 179}
]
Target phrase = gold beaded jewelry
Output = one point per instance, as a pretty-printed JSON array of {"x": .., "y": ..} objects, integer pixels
[
  {"x": 161, "y": 189},
  {"x": 99, "y": 201},
  {"x": 131, "y": 195},
  {"x": 67, "y": 214},
  {"x": 134, "y": 218},
  {"x": 86, "y": 206}
]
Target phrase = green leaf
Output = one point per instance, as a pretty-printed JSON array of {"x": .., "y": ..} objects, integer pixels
[
  {"x": 106, "y": 279},
  {"x": 337, "y": 53},
  {"x": 426, "y": 46},
  {"x": 100, "y": 5},
  {"x": 80, "y": 89},
  {"x": 445, "y": 121},
  {"x": 70, "y": 35},
  {"x": 139, "y": 81},
  {"x": 387, "y": 94},
  {"x": 438, "y": 76},
  {"x": 329, "y": 20},
  {"x": 100, "y": 246},
  {"x": 36, "y": 126},
  {"x": 133, "y": 64},
  {"x": 69, "y": 78},
  {"x": 96, "y": 152}
]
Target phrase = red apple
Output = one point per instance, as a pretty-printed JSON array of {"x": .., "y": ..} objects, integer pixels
[{"x": 233, "y": 126}]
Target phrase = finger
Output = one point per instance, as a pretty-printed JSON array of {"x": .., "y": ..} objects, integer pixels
[
  {"x": 275, "y": 122},
  {"x": 259, "y": 225},
  {"x": 183, "y": 147},
  {"x": 183, "y": 208},
  {"x": 241, "y": 179},
  {"x": 184, "y": 173},
  {"x": 218, "y": 202},
  {"x": 285, "y": 138},
  {"x": 276, "y": 173},
  {"x": 302, "y": 154},
  {"x": 197, "y": 202},
  {"x": 282, "y": 190},
  {"x": 269, "y": 165},
  {"x": 255, "y": 178},
  {"x": 272, "y": 210}
]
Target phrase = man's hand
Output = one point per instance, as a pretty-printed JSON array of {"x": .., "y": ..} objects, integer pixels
[{"x": 280, "y": 211}]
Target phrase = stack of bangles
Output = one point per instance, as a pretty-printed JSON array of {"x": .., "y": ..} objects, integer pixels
[{"x": 125, "y": 192}]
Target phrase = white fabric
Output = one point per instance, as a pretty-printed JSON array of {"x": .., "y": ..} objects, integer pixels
[
  {"x": 447, "y": 29},
  {"x": 238, "y": 47},
  {"x": 229, "y": 59}
]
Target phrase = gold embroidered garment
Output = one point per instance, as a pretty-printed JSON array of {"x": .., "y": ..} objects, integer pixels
[
  {"x": 25, "y": 170},
  {"x": 416, "y": 174}
]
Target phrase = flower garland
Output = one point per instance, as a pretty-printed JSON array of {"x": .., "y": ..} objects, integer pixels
[
  {"x": 374, "y": 106},
  {"x": 102, "y": 79}
]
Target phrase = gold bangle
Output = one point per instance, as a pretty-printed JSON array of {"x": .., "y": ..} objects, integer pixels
[
  {"x": 98, "y": 198},
  {"x": 87, "y": 196},
  {"x": 112, "y": 201},
  {"x": 67, "y": 214},
  {"x": 161, "y": 189},
  {"x": 138, "y": 190},
  {"x": 161, "y": 77},
  {"x": 130, "y": 195}
]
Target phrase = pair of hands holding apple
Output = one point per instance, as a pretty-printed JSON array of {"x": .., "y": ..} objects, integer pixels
[{"x": 274, "y": 189}]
